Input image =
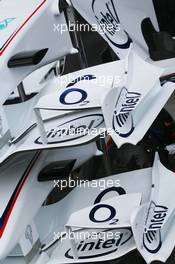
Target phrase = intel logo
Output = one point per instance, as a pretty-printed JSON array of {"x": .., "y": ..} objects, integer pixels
[
  {"x": 107, "y": 18},
  {"x": 73, "y": 129},
  {"x": 152, "y": 234},
  {"x": 122, "y": 117},
  {"x": 97, "y": 247},
  {"x": 152, "y": 241}
]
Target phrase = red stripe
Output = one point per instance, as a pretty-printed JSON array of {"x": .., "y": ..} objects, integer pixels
[
  {"x": 18, "y": 192},
  {"x": 10, "y": 40}
]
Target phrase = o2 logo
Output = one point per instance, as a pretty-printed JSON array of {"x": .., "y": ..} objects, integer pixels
[
  {"x": 107, "y": 18},
  {"x": 4, "y": 24},
  {"x": 66, "y": 93},
  {"x": 96, "y": 247},
  {"x": 73, "y": 95},
  {"x": 111, "y": 219},
  {"x": 122, "y": 118}
]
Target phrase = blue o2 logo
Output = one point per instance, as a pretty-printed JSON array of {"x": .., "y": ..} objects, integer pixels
[
  {"x": 112, "y": 217},
  {"x": 76, "y": 96},
  {"x": 66, "y": 93},
  {"x": 102, "y": 206}
]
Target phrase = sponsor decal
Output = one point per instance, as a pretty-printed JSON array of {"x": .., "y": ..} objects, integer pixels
[
  {"x": 108, "y": 20},
  {"x": 4, "y": 23},
  {"x": 29, "y": 234},
  {"x": 111, "y": 219},
  {"x": 122, "y": 117},
  {"x": 94, "y": 248},
  {"x": 110, "y": 208},
  {"x": 83, "y": 96},
  {"x": 73, "y": 129},
  {"x": 80, "y": 94},
  {"x": 156, "y": 217},
  {"x": 152, "y": 234}
]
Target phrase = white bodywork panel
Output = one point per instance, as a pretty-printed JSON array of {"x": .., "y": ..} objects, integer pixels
[
  {"x": 153, "y": 224},
  {"x": 27, "y": 31},
  {"x": 119, "y": 17}
]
